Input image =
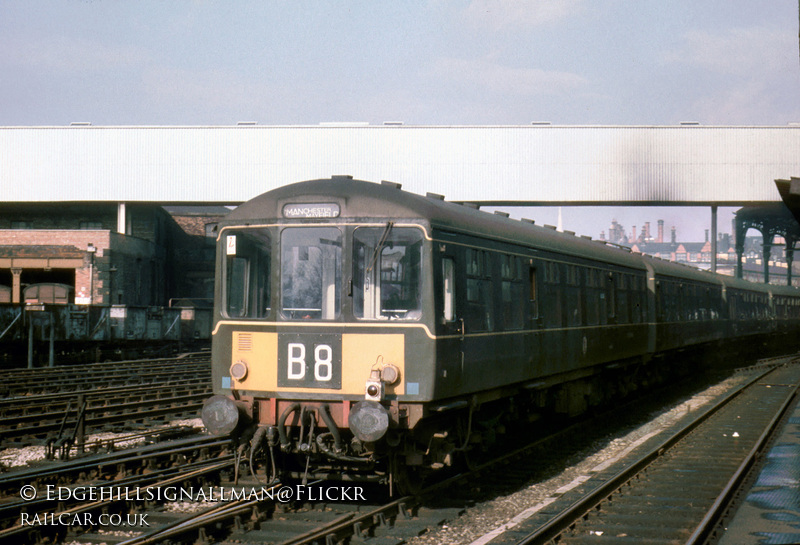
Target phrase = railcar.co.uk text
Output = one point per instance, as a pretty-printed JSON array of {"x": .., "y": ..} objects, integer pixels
[{"x": 281, "y": 493}]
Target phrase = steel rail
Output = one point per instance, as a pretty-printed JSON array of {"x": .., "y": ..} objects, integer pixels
[
  {"x": 358, "y": 525},
  {"x": 179, "y": 476},
  {"x": 95, "y": 399},
  {"x": 87, "y": 464},
  {"x": 710, "y": 522},
  {"x": 125, "y": 412},
  {"x": 197, "y": 521},
  {"x": 35, "y": 400},
  {"x": 574, "y": 512}
]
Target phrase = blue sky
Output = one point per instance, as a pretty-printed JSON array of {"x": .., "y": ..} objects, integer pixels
[{"x": 434, "y": 62}]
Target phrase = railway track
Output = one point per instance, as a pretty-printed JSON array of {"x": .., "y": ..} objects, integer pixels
[
  {"x": 113, "y": 464},
  {"x": 56, "y": 402},
  {"x": 679, "y": 490},
  {"x": 72, "y": 378},
  {"x": 114, "y": 484},
  {"x": 35, "y": 406},
  {"x": 292, "y": 521},
  {"x": 317, "y": 519},
  {"x": 169, "y": 403}
]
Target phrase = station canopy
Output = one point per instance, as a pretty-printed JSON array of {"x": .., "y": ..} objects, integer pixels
[{"x": 492, "y": 165}]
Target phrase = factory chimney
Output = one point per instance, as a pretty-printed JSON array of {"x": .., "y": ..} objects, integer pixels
[
  {"x": 660, "y": 231},
  {"x": 673, "y": 234}
]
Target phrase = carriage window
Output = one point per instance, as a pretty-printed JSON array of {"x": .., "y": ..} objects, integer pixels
[
  {"x": 513, "y": 290},
  {"x": 387, "y": 273},
  {"x": 247, "y": 273},
  {"x": 311, "y": 272}
]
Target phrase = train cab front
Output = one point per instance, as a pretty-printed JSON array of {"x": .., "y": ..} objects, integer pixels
[{"x": 320, "y": 338}]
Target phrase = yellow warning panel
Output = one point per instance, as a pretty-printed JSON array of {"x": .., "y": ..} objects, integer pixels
[
  {"x": 363, "y": 352},
  {"x": 258, "y": 351}
]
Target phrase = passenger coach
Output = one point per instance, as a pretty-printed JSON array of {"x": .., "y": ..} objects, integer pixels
[{"x": 357, "y": 324}]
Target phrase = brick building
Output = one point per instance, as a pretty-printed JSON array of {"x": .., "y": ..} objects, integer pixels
[{"x": 130, "y": 254}]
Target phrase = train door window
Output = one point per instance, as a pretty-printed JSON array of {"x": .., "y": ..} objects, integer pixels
[
  {"x": 667, "y": 301},
  {"x": 387, "y": 273},
  {"x": 623, "y": 306},
  {"x": 247, "y": 273},
  {"x": 612, "y": 298},
  {"x": 583, "y": 290},
  {"x": 571, "y": 289},
  {"x": 636, "y": 299},
  {"x": 311, "y": 272},
  {"x": 534, "y": 292},
  {"x": 590, "y": 298},
  {"x": 449, "y": 289},
  {"x": 552, "y": 311}
]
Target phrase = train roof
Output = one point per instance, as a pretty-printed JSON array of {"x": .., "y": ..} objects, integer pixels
[{"x": 359, "y": 200}]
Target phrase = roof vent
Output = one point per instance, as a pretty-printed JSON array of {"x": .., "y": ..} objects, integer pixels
[
  {"x": 587, "y": 237},
  {"x": 80, "y": 124},
  {"x": 345, "y": 176},
  {"x": 551, "y": 227},
  {"x": 240, "y": 123},
  {"x": 472, "y": 205},
  {"x": 540, "y": 123},
  {"x": 528, "y": 220},
  {"x": 499, "y": 213},
  {"x": 571, "y": 233},
  {"x": 434, "y": 196},
  {"x": 394, "y": 185},
  {"x": 685, "y": 123},
  {"x": 393, "y": 123}
]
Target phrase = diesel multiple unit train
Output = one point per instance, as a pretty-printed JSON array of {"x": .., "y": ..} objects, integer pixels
[{"x": 364, "y": 331}]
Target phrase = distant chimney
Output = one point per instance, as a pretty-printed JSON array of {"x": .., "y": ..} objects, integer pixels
[
  {"x": 602, "y": 235},
  {"x": 647, "y": 231},
  {"x": 633, "y": 234},
  {"x": 673, "y": 234},
  {"x": 660, "y": 231}
]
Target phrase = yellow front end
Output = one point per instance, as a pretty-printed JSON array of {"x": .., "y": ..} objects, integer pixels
[{"x": 329, "y": 366}]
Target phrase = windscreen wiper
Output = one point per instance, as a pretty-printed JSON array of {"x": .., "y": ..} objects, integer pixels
[{"x": 379, "y": 247}]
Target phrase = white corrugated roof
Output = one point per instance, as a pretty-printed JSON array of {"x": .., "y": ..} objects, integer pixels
[{"x": 533, "y": 164}]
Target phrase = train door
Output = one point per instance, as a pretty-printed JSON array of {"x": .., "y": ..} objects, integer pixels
[
  {"x": 652, "y": 307},
  {"x": 450, "y": 318},
  {"x": 534, "y": 317},
  {"x": 612, "y": 299}
]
